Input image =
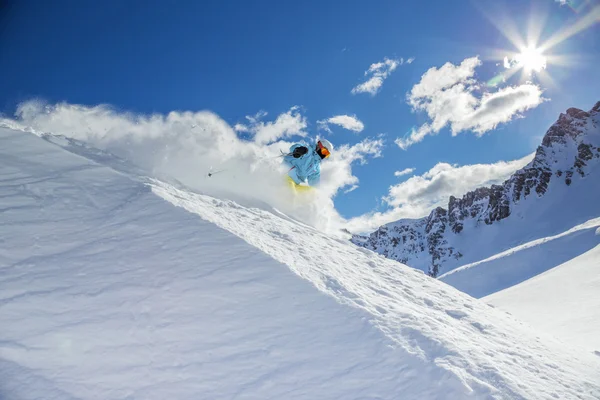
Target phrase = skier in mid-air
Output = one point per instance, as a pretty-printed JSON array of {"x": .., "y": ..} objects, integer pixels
[{"x": 305, "y": 162}]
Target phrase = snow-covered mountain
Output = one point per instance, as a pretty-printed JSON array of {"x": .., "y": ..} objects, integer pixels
[
  {"x": 557, "y": 190},
  {"x": 114, "y": 285}
]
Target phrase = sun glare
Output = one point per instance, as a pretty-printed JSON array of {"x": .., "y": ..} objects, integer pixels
[
  {"x": 533, "y": 55},
  {"x": 531, "y": 59}
]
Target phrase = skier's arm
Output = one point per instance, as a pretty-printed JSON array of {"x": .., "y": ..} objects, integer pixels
[
  {"x": 289, "y": 157},
  {"x": 299, "y": 151}
]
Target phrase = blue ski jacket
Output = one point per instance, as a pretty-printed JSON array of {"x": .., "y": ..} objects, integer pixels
[{"x": 306, "y": 168}]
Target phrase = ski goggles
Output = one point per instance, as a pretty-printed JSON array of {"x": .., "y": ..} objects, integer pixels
[{"x": 323, "y": 149}]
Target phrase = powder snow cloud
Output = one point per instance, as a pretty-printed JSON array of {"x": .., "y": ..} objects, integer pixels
[
  {"x": 184, "y": 146},
  {"x": 448, "y": 95}
]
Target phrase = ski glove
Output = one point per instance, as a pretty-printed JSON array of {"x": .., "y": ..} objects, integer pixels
[{"x": 299, "y": 151}]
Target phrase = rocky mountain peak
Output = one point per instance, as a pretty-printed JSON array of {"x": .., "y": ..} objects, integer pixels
[
  {"x": 566, "y": 150},
  {"x": 569, "y": 125},
  {"x": 577, "y": 113}
]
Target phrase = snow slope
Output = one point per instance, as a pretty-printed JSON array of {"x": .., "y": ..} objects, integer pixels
[
  {"x": 523, "y": 262},
  {"x": 107, "y": 291},
  {"x": 564, "y": 301}
]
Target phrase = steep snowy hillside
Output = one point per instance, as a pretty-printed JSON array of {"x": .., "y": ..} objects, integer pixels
[
  {"x": 108, "y": 291},
  {"x": 564, "y": 301},
  {"x": 556, "y": 191}
]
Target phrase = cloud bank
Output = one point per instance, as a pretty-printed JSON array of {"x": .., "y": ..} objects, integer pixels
[
  {"x": 415, "y": 197},
  {"x": 448, "y": 95}
]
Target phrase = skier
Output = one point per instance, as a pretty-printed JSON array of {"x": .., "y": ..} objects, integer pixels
[{"x": 305, "y": 163}]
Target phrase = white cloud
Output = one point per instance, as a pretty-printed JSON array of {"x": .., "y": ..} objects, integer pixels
[
  {"x": 337, "y": 172},
  {"x": 405, "y": 171},
  {"x": 286, "y": 125},
  {"x": 351, "y": 189},
  {"x": 410, "y": 60},
  {"x": 185, "y": 145},
  {"x": 241, "y": 128},
  {"x": 349, "y": 122},
  {"x": 562, "y": 2},
  {"x": 433, "y": 188},
  {"x": 418, "y": 195},
  {"x": 448, "y": 96},
  {"x": 377, "y": 73},
  {"x": 500, "y": 107}
]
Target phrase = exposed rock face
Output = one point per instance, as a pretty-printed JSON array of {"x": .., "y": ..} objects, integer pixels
[{"x": 565, "y": 151}]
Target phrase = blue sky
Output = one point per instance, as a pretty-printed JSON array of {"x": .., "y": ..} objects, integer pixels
[{"x": 238, "y": 58}]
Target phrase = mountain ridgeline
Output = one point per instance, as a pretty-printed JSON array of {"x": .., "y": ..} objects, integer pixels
[{"x": 570, "y": 150}]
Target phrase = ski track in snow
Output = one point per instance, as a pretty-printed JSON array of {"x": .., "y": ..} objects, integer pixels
[{"x": 108, "y": 291}]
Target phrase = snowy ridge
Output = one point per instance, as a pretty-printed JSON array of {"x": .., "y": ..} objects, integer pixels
[
  {"x": 563, "y": 301},
  {"x": 127, "y": 296},
  {"x": 522, "y": 262},
  {"x": 556, "y": 186}
]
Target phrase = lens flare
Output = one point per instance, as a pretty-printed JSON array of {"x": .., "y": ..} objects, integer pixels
[
  {"x": 532, "y": 54},
  {"x": 531, "y": 59},
  {"x": 584, "y": 22}
]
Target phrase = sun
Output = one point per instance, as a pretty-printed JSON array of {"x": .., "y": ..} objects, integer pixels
[
  {"x": 532, "y": 55},
  {"x": 531, "y": 59}
]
